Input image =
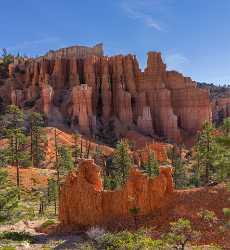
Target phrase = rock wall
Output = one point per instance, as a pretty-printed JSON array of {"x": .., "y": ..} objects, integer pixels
[
  {"x": 84, "y": 203},
  {"x": 220, "y": 109},
  {"x": 155, "y": 101},
  {"x": 76, "y": 51}
]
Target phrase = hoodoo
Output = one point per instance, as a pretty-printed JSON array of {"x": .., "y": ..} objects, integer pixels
[{"x": 95, "y": 93}]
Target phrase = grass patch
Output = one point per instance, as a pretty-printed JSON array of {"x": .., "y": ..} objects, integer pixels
[
  {"x": 47, "y": 223},
  {"x": 17, "y": 236},
  {"x": 7, "y": 248}
]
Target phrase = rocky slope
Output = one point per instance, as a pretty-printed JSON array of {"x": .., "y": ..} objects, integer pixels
[
  {"x": 106, "y": 97},
  {"x": 220, "y": 98}
]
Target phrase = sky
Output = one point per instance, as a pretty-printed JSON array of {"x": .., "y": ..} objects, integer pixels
[{"x": 192, "y": 35}]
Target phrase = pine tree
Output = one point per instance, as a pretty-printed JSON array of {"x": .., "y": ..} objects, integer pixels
[
  {"x": 226, "y": 127},
  {"x": 122, "y": 161},
  {"x": 52, "y": 193},
  {"x": 207, "y": 151},
  {"x": 3, "y": 158},
  {"x": 179, "y": 173},
  {"x": 37, "y": 138},
  {"x": 8, "y": 197},
  {"x": 76, "y": 148},
  {"x": 222, "y": 162},
  {"x": 6, "y": 60},
  {"x": 151, "y": 167},
  {"x": 65, "y": 160},
  {"x": 15, "y": 133}
]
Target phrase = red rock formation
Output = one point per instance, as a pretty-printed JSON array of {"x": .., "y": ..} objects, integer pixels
[
  {"x": 79, "y": 51},
  {"x": 83, "y": 202},
  {"x": 154, "y": 101},
  {"x": 221, "y": 109},
  {"x": 82, "y": 107}
]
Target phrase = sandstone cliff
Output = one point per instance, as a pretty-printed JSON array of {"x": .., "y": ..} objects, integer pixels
[
  {"x": 100, "y": 95},
  {"x": 84, "y": 203}
]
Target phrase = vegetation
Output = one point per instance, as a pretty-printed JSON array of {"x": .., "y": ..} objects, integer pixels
[
  {"x": 129, "y": 241},
  {"x": 117, "y": 175},
  {"x": 151, "y": 166},
  {"x": 208, "y": 163},
  {"x": 179, "y": 173},
  {"x": 17, "y": 236},
  {"x": 6, "y": 59},
  {"x": 13, "y": 130},
  {"x": 8, "y": 197},
  {"x": 65, "y": 160},
  {"x": 181, "y": 233},
  {"x": 208, "y": 217},
  {"x": 37, "y": 138}
]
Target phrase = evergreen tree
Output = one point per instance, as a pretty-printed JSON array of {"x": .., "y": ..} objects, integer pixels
[
  {"x": 3, "y": 158},
  {"x": 76, "y": 148},
  {"x": 151, "y": 167},
  {"x": 98, "y": 156},
  {"x": 226, "y": 127},
  {"x": 179, "y": 173},
  {"x": 222, "y": 162},
  {"x": 6, "y": 60},
  {"x": 37, "y": 138},
  {"x": 52, "y": 193},
  {"x": 14, "y": 131},
  {"x": 122, "y": 161},
  {"x": 65, "y": 160},
  {"x": 180, "y": 234},
  {"x": 206, "y": 151},
  {"x": 8, "y": 197}
]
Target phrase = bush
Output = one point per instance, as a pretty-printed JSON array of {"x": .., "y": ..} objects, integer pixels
[
  {"x": 17, "y": 236},
  {"x": 180, "y": 234},
  {"x": 208, "y": 216},
  {"x": 47, "y": 223},
  {"x": 211, "y": 247},
  {"x": 86, "y": 246},
  {"x": 129, "y": 241},
  {"x": 8, "y": 248},
  {"x": 226, "y": 212}
]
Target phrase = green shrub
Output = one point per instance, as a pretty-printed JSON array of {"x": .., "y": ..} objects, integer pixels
[
  {"x": 226, "y": 212},
  {"x": 208, "y": 216},
  {"x": 129, "y": 241},
  {"x": 8, "y": 248},
  {"x": 17, "y": 236},
  {"x": 211, "y": 247},
  {"x": 47, "y": 223},
  {"x": 86, "y": 246},
  {"x": 180, "y": 234}
]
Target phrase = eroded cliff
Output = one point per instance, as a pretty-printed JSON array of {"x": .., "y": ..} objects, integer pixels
[
  {"x": 84, "y": 202},
  {"x": 108, "y": 96}
]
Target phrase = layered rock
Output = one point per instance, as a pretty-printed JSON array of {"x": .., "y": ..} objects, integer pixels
[
  {"x": 90, "y": 90},
  {"x": 79, "y": 51},
  {"x": 84, "y": 202},
  {"x": 221, "y": 109},
  {"x": 82, "y": 107}
]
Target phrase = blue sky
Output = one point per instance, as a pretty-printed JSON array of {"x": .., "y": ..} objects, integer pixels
[{"x": 193, "y": 35}]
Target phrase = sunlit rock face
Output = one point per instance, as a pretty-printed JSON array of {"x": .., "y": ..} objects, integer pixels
[
  {"x": 220, "y": 109},
  {"x": 89, "y": 90},
  {"x": 84, "y": 202}
]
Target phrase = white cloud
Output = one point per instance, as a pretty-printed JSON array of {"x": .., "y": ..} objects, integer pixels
[
  {"x": 137, "y": 9},
  {"x": 176, "y": 61}
]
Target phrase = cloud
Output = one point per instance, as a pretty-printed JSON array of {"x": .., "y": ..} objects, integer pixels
[
  {"x": 137, "y": 9},
  {"x": 176, "y": 61}
]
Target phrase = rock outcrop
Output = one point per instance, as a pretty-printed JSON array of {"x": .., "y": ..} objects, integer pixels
[
  {"x": 92, "y": 91},
  {"x": 84, "y": 202},
  {"x": 221, "y": 109}
]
